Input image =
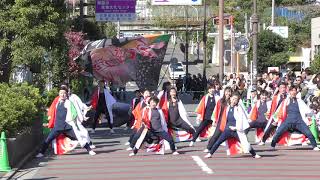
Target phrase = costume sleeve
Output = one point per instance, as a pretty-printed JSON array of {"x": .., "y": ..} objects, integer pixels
[{"x": 52, "y": 112}]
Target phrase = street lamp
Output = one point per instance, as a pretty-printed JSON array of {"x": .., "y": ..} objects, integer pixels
[
  {"x": 187, "y": 42},
  {"x": 204, "y": 40}
]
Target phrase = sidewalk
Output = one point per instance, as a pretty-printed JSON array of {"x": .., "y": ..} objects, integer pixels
[
  {"x": 112, "y": 162},
  {"x": 23, "y": 162}
]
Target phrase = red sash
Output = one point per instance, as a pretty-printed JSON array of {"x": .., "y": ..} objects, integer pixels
[{"x": 52, "y": 112}]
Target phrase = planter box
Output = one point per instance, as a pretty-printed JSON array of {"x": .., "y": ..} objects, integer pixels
[{"x": 24, "y": 143}]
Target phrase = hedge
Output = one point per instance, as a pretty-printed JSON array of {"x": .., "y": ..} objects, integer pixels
[
  {"x": 20, "y": 105},
  {"x": 49, "y": 96}
]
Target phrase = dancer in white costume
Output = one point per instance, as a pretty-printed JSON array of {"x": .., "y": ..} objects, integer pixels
[{"x": 82, "y": 109}]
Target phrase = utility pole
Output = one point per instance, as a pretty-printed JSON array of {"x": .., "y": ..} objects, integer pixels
[
  {"x": 272, "y": 13},
  {"x": 221, "y": 40},
  {"x": 233, "y": 52},
  {"x": 187, "y": 42},
  {"x": 204, "y": 40},
  {"x": 254, "y": 21},
  {"x": 81, "y": 13},
  {"x": 246, "y": 34}
]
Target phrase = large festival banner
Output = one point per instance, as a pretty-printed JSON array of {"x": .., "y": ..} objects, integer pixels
[{"x": 121, "y": 60}]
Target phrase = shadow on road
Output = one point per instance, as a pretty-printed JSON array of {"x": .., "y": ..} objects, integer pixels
[
  {"x": 42, "y": 178},
  {"x": 186, "y": 151},
  {"x": 97, "y": 151}
]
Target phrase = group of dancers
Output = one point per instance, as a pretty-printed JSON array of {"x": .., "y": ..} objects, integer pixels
[
  {"x": 163, "y": 120},
  {"x": 223, "y": 118}
]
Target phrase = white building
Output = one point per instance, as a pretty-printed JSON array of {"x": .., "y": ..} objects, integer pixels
[{"x": 315, "y": 37}]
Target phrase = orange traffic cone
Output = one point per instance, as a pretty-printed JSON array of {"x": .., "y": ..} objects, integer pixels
[{"x": 4, "y": 161}]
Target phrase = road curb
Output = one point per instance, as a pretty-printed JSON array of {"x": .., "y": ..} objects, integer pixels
[{"x": 10, "y": 174}]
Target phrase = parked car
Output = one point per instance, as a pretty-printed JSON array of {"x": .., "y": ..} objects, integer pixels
[{"x": 175, "y": 70}]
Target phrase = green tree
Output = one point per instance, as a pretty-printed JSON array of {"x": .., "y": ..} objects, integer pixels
[
  {"x": 279, "y": 59},
  {"x": 31, "y": 28},
  {"x": 270, "y": 50},
  {"x": 299, "y": 31},
  {"x": 294, "y": 2},
  {"x": 20, "y": 105},
  {"x": 110, "y": 29},
  {"x": 6, "y": 37},
  {"x": 315, "y": 65},
  {"x": 91, "y": 28}
]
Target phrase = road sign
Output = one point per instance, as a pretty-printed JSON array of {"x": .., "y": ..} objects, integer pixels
[
  {"x": 176, "y": 2},
  {"x": 115, "y": 10},
  {"x": 242, "y": 45}
]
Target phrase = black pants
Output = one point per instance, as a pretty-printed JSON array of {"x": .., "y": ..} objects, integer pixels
[
  {"x": 164, "y": 135},
  {"x": 99, "y": 111},
  {"x": 257, "y": 124},
  {"x": 301, "y": 127},
  {"x": 196, "y": 95},
  {"x": 214, "y": 137},
  {"x": 226, "y": 134},
  {"x": 131, "y": 136},
  {"x": 201, "y": 127},
  {"x": 55, "y": 133},
  {"x": 268, "y": 132},
  {"x": 134, "y": 131},
  {"x": 130, "y": 120},
  {"x": 185, "y": 126}
]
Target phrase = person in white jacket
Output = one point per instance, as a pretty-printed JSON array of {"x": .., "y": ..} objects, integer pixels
[
  {"x": 82, "y": 109},
  {"x": 293, "y": 114},
  {"x": 63, "y": 122},
  {"x": 233, "y": 125},
  {"x": 155, "y": 125}
]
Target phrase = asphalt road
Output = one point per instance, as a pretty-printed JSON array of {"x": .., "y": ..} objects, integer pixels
[{"x": 112, "y": 162}]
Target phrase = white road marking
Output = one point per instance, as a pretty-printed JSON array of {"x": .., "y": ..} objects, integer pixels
[{"x": 202, "y": 164}]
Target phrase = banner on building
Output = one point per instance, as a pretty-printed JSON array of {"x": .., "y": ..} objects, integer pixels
[
  {"x": 115, "y": 10},
  {"x": 176, "y": 2}
]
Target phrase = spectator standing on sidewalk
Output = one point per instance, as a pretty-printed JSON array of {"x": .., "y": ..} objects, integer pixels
[{"x": 179, "y": 84}]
